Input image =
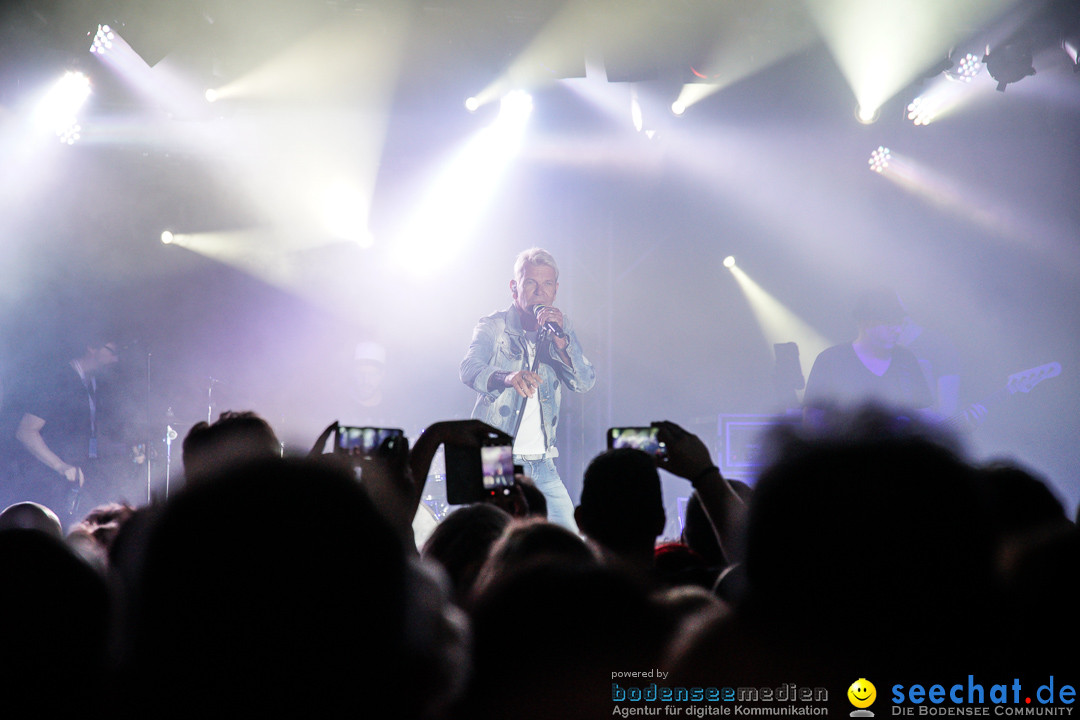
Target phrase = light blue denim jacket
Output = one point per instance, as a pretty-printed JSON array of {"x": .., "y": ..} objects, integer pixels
[{"x": 498, "y": 344}]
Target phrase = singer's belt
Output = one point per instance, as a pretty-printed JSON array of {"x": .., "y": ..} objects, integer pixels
[{"x": 532, "y": 458}]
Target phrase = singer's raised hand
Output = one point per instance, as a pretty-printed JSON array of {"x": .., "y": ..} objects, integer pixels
[
  {"x": 524, "y": 381},
  {"x": 551, "y": 319},
  {"x": 547, "y": 314}
]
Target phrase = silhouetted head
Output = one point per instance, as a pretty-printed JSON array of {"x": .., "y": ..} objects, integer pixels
[
  {"x": 622, "y": 507},
  {"x": 874, "y": 529},
  {"x": 532, "y": 541},
  {"x": 31, "y": 516},
  {"x": 535, "y": 498},
  {"x": 235, "y": 438},
  {"x": 462, "y": 541},
  {"x": 56, "y": 610},
  {"x": 547, "y": 634},
  {"x": 277, "y": 585},
  {"x": 1043, "y": 597},
  {"x": 1019, "y": 502}
]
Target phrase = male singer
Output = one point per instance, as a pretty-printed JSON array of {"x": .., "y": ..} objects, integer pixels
[{"x": 517, "y": 362}]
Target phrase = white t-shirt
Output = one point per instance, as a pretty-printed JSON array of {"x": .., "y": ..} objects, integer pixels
[{"x": 530, "y": 436}]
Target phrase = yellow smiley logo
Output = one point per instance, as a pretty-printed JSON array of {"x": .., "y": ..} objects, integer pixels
[{"x": 862, "y": 693}]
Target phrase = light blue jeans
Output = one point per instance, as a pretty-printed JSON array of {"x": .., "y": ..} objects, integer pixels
[{"x": 560, "y": 508}]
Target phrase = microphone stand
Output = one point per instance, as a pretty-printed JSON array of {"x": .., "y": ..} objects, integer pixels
[
  {"x": 170, "y": 435},
  {"x": 147, "y": 446},
  {"x": 210, "y": 400}
]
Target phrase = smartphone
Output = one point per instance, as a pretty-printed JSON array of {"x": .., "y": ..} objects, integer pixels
[
  {"x": 639, "y": 438},
  {"x": 362, "y": 442},
  {"x": 497, "y": 464},
  {"x": 474, "y": 473}
]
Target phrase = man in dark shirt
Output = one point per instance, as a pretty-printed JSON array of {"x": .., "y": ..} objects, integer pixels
[
  {"x": 59, "y": 428},
  {"x": 872, "y": 368}
]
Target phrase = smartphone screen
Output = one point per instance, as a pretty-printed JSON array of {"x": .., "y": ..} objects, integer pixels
[
  {"x": 362, "y": 441},
  {"x": 497, "y": 462},
  {"x": 638, "y": 438}
]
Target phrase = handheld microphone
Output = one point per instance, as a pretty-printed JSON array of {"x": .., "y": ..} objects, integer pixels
[{"x": 551, "y": 327}]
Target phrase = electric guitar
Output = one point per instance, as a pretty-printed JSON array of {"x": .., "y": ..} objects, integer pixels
[{"x": 1021, "y": 382}]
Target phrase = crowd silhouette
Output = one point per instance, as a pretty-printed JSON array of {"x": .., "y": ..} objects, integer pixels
[{"x": 294, "y": 584}]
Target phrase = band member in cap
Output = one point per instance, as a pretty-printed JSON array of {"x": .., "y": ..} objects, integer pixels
[{"x": 872, "y": 368}]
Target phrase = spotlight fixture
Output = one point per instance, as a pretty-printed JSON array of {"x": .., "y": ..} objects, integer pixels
[
  {"x": 1009, "y": 63},
  {"x": 167, "y": 238},
  {"x": 879, "y": 159},
  {"x": 918, "y": 111},
  {"x": 471, "y": 104},
  {"x": 103, "y": 40},
  {"x": 57, "y": 110},
  {"x": 678, "y": 108},
  {"x": 866, "y": 116},
  {"x": 729, "y": 262},
  {"x": 211, "y": 95},
  {"x": 70, "y": 135},
  {"x": 966, "y": 69}
]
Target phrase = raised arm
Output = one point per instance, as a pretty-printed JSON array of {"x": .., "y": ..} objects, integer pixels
[
  {"x": 568, "y": 358},
  {"x": 689, "y": 458},
  {"x": 386, "y": 476},
  {"x": 469, "y": 433}
]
